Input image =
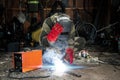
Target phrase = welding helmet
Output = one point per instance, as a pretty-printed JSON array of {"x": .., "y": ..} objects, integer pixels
[{"x": 65, "y": 21}]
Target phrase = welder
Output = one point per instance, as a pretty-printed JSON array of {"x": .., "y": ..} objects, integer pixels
[{"x": 57, "y": 31}]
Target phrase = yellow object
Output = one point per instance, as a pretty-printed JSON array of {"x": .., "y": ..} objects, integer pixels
[
  {"x": 36, "y": 35},
  {"x": 33, "y": 2}
]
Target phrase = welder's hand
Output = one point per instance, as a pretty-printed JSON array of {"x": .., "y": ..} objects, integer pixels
[
  {"x": 69, "y": 55},
  {"x": 54, "y": 33}
]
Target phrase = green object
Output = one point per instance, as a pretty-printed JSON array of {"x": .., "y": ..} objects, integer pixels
[
  {"x": 33, "y": 5},
  {"x": 33, "y": 2}
]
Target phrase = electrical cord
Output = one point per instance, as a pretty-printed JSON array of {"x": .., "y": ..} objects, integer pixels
[
  {"x": 113, "y": 62},
  {"x": 73, "y": 74},
  {"x": 32, "y": 77},
  {"x": 13, "y": 70}
]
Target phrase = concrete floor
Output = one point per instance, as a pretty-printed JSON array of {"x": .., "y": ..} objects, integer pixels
[{"x": 110, "y": 70}]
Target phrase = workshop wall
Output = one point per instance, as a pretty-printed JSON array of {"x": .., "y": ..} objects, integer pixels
[
  {"x": 89, "y": 9},
  {"x": 12, "y": 8},
  {"x": 98, "y": 12}
]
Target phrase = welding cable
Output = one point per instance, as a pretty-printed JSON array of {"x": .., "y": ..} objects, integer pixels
[
  {"x": 73, "y": 74},
  {"x": 12, "y": 71},
  {"x": 114, "y": 63}
]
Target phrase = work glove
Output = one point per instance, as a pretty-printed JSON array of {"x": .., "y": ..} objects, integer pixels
[
  {"x": 54, "y": 33},
  {"x": 69, "y": 55}
]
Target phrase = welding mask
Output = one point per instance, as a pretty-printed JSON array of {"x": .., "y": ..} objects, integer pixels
[{"x": 65, "y": 21}]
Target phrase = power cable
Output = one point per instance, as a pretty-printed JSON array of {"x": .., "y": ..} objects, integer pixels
[
  {"x": 12, "y": 71},
  {"x": 37, "y": 77}
]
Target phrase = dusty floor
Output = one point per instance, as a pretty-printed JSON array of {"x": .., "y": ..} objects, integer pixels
[{"x": 110, "y": 70}]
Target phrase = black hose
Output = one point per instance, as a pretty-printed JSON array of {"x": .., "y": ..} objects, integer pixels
[
  {"x": 12, "y": 71},
  {"x": 74, "y": 74}
]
